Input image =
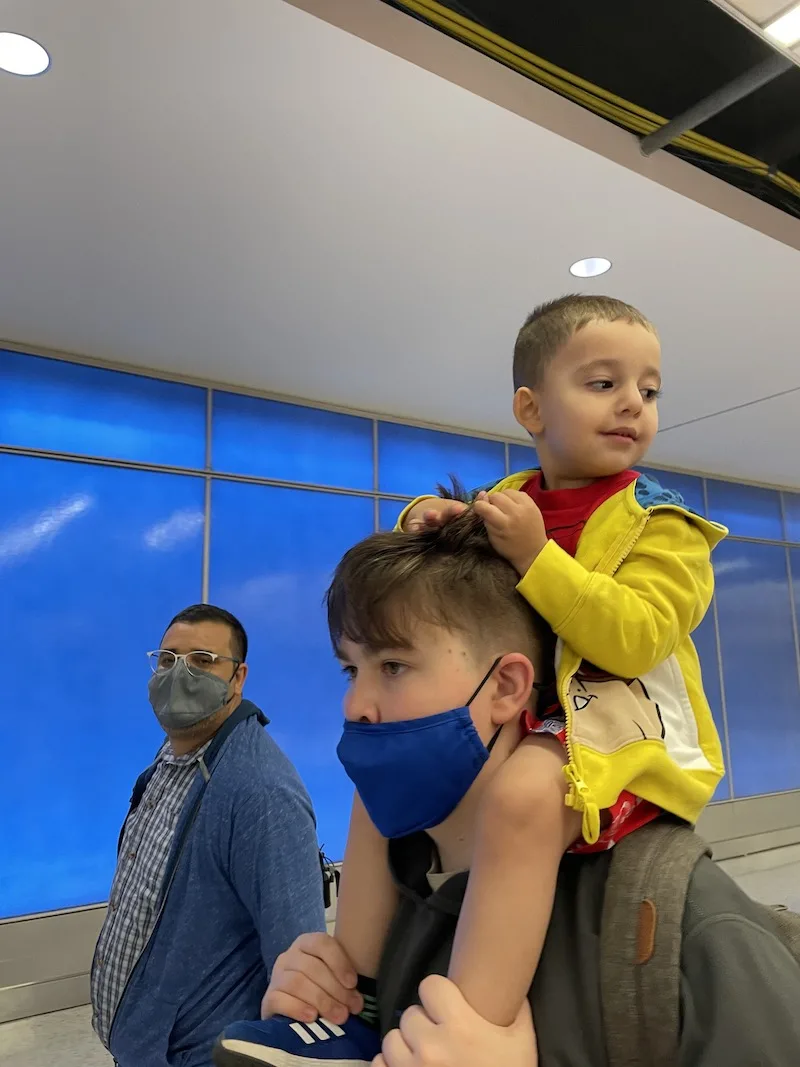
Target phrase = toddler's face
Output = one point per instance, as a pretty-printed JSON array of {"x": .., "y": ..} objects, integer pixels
[{"x": 595, "y": 413}]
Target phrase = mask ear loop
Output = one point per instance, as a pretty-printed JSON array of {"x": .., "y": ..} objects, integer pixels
[
  {"x": 484, "y": 680},
  {"x": 481, "y": 684},
  {"x": 539, "y": 687}
]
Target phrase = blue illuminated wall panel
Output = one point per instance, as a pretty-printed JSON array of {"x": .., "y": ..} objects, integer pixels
[
  {"x": 67, "y": 407},
  {"x": 411, "y": 460},
  {"x": 292, "y": 443},
  {"x": 762, "y": 690},
  {"x": 94, "y": 561},
  {"x": 389, "y": 513},
  {"x": 521, "y": 458},
  {"x": 273, "y": 575},
  {"x": 747, "y": 510}
]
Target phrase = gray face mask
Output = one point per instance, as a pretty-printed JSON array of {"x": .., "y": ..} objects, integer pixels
[{"x": 181, "y": 699}]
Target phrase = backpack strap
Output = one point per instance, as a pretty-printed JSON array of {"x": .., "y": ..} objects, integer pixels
[{"x": 640, "y": 942}]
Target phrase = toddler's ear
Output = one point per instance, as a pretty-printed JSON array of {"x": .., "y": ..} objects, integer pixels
[{"x": 527, "y": 411}]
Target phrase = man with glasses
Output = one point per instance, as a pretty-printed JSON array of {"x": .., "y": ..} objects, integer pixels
[{"x": 218, "y": 869}]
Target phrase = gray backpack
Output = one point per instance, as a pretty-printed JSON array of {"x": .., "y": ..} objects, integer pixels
[{"x": 641, "y": 936}]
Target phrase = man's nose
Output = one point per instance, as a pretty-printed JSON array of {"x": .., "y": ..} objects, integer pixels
[{"x": 360, "y": 704}]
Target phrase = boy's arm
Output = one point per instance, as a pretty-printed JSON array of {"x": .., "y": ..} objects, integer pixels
[{"x": 629, "y": 623}]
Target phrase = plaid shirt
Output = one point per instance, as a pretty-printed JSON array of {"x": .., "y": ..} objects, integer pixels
[{"x": 135, "y": 891}]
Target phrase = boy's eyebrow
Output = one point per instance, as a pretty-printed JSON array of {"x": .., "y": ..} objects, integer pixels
[{"x": 377, "y": 653}]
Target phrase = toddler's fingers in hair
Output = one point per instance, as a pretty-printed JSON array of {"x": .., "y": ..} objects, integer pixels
[
  {"x": 493, "y": 517},
  {"x": 503, "y": 501},
  {"x": 439, "y": 516},
  {"x": 432, "y": 519}
]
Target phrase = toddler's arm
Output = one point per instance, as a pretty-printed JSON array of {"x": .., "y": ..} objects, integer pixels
[
  {"x": 523, "y": 829},
  {"x": 630, "y": 622}
]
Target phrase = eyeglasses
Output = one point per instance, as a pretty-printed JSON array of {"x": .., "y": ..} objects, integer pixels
[{"x": 197, "y": 662}]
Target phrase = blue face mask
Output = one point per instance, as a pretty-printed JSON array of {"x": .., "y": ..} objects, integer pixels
[{"x": 412, "y": 774}]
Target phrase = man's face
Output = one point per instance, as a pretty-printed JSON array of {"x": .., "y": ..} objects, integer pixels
[
  {"x": 437, "y": 672},
  {"x": 208, "y": 636}
]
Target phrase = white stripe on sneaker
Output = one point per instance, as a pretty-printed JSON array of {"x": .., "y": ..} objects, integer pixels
[
  {"x": 274, "y": 1057},
  {"x": 302, "y": 1033},
  {"x": 317, "y": 1031},
  {"x": 337, "y": 1031}
]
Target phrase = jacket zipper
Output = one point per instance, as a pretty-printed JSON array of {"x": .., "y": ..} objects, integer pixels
[{"x": 580, "y": 796}]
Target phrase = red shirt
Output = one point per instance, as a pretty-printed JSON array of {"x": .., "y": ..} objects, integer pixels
[{"x": 566, "y": 511}]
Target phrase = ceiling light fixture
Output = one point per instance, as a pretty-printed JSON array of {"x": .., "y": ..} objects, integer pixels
[
  {"x": 21, "y": 55},
  {"x": 786, "y": 29},
  {"x": 590, "y": 268}
]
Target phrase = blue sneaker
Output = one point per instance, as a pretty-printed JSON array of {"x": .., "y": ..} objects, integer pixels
[{"x": 279, "y": 1042}]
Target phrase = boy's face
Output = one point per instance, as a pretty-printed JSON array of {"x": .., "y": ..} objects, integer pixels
[
  {"x": 437, "y": 672},
  {"x": 595, "y": 413}
]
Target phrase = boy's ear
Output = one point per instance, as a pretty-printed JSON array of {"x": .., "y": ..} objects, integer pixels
[
  {"x": 513, "y": 682},
  {"x": 527, "y": 410}
]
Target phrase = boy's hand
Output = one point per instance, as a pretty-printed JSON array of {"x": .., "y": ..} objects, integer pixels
[
  {"x": 446, "y": 1032},
  {"x": 515, "y": 526},
  {"x": 429, "y": 514},
  {"x": 313, "y": 977}
]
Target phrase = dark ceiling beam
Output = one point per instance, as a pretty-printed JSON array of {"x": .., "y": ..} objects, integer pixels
[
  {"x": 780, "y": 147},
  {"x": 718, "y": 101}
]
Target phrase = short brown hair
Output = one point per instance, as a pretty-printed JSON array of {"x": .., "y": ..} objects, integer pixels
[
  {"x": 449, "y": 577},
  {"x": 549, "y": 326}
]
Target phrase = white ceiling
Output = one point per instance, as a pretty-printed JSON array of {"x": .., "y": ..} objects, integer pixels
[
  {"x": 757, "y": 15},
  {"x": 248, "y": 194}
]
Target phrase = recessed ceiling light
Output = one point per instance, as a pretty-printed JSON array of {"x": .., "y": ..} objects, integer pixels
[
  {"x": 21, "y": 55},
  {"x": 786, "y": 29},
  {"x": 590, "y": 268}
]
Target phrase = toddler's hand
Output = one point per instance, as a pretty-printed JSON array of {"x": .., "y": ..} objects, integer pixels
[
  {"x": 432, "y": 513},
  {"x": 515, "y": 526}
]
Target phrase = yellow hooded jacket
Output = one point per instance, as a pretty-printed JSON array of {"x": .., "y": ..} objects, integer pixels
[{"x": 628, "y": 675}]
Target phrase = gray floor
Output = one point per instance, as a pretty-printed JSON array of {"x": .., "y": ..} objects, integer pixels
[
  {"x": 62, "y": 1039},
  {"x": 65, "y": 1038}
]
